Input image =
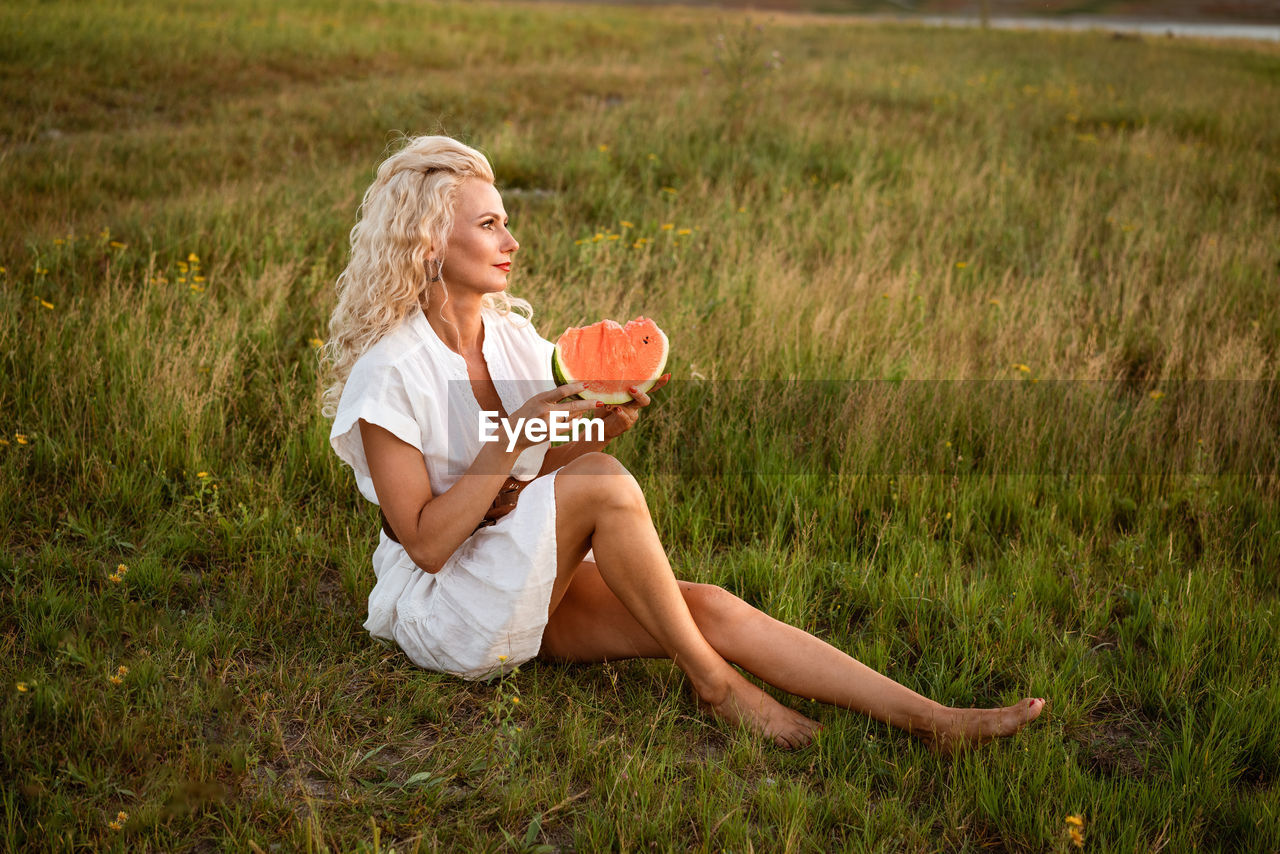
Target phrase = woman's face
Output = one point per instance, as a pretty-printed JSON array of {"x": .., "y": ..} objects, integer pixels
[{"x": 478, "y": 254}]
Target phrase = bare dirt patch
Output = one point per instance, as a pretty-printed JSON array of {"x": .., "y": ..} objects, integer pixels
[{"x": 1118, "y": 742}]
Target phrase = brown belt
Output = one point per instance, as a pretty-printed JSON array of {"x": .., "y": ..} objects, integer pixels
[{"x": 386, "y": 527}]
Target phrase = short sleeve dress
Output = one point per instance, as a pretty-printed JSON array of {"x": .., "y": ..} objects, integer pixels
[{"x": 486, "y": 609}]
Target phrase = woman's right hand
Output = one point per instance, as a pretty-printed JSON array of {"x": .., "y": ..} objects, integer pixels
[{"x": 540, "y": 406}]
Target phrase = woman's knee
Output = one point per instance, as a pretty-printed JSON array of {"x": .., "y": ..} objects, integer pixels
[
  {"x": 598, "y": 480},
  {"x": 594, "y": 463},
  {"x": 714, "y": 609}
]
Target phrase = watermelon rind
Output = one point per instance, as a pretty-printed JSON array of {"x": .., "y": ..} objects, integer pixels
[
  {"x": 562, "y": 376},
  {"x": 557, "y": 369}
]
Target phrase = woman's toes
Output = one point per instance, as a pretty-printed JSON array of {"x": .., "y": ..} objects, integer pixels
[
  {"x": 1029, "y": 710},
  {"x": 978, "y": 726}
]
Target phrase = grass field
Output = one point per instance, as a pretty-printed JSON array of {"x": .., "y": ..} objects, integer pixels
[{"x": 975, "y": 349}]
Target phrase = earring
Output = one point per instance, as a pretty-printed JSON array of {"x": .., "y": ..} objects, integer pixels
[{"x": 435, "y": 276}]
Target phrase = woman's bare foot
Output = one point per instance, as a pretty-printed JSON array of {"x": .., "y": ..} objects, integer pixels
[
  {"x": 962, "y": 728},
  {"x": 750, "y": 706}
]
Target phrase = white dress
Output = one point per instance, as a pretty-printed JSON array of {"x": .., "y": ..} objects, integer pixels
[{"x": 486, "y": 609}]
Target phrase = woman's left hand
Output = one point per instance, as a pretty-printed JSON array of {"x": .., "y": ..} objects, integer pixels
[{"x": 619, "y": 418}]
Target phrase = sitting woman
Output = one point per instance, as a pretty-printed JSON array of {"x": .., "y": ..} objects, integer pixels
[{"x": 493, "y": 553}]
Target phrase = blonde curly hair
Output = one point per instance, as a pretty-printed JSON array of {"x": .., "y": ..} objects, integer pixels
[{"x": 405, "y": 221}]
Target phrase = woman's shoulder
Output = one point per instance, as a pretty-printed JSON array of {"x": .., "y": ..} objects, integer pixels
[
  {"x": 398, "y": 344},
  {"x": 399, "y": 353}
]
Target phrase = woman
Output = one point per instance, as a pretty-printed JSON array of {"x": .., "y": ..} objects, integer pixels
[{"x": 483, "y": 562}]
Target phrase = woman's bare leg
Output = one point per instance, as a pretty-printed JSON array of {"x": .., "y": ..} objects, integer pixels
[
  {"x": 600, "y": 506},
  {"x": 780, "y": 654}
]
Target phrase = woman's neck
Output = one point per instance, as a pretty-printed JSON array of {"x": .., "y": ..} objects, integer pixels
[{"x": 456, "y": 321}]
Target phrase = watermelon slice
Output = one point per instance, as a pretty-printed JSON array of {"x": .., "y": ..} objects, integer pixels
[{"x": 610, "y": 358}]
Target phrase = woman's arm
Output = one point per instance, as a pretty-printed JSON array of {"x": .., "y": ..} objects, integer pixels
[
  {"x": 618, "y": 419},
  {"x": 430, "y": 527}
]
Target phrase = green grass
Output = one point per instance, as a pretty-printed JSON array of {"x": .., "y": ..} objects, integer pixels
[{"x": 904, "y": 214}]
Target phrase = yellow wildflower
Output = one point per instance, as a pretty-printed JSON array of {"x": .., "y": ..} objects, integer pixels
[
  {"x": 685, "y": 231},
  {"x": 122, "y": 569},
  {"x": 58, "y": 241},
  {"x": 626, "y": 224},
  {"x": 1156, "y": 395},
  {"x": 671, "y": 190},
  {"x": 4, "y": 443},
  {"x": 515, "y": 700},
  {"x": 116, "y": 680},
  {"x": 667, "y": 226},
  {"x": 742, "y": 210},
  {"x": 579, "y": 242},
  {"x": 602, "y": 147},
  {"x": 202, "y": 474},
  {"x": 122, "y": 670},
  {"x": 116, "y": 244},
  {"x": 197, "y": 289},
  {"x": 1023, "y": 368},
  {"x": 22, "y": 687},
  {"x": 502, "y": 658},
  {"x": 197, "y": 278},
  {"x": 948, "y": 516},
  {"x": 960, "y": 265},
  {"x": 994, "y": 301},
  {"x": 46, "y": 304},
  {"x": 317, "y": 343},
  {"x": 653, "y": 157},
  {"x": 21, "y": 438},
  {"x": 614, "y": 236},
  {"x": 1078, "y": 821},
  {"x": 194, "y": 258}
]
